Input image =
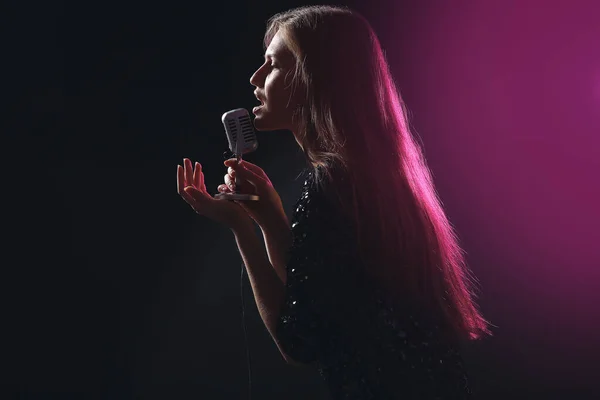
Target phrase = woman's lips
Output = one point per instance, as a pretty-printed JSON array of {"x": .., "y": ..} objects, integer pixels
[{"x": 262, "y": 103}]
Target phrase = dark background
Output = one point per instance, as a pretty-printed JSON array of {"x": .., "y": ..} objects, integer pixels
[{"x": 113, "y": 288}]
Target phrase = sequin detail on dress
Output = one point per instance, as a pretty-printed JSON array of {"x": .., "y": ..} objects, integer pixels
[{"x": 362, "y": 346}]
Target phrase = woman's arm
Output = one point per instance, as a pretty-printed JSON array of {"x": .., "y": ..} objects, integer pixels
[
  {"x": 277, "y": 235},
  {"x": 268, "y": 289}
]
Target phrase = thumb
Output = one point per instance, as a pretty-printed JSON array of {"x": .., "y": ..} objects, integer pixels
[
  {"x": 250, "y": 176},
  {"x": 193, "y": 193}
]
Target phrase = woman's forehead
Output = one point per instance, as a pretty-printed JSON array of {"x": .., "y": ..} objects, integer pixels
[{"x": 278, "y": 48}]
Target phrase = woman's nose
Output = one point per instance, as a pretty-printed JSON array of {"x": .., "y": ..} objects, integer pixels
[
  {"x": 256, "y": 78},
  {"x": 253, "y": 78}
]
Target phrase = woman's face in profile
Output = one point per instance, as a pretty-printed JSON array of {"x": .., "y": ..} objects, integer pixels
[{"x": 273, "y": 88}]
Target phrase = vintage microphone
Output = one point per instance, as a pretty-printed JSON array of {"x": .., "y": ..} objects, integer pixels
[{"x": 242, "y": 140}]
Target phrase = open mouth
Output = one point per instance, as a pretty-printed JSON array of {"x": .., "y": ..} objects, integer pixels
[{"x": 262, "y": 103}]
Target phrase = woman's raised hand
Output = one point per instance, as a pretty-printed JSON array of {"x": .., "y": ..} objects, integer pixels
[{"x": 190, "y": 186}]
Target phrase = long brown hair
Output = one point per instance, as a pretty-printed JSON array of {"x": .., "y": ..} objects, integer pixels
[{"x": 354, "y": 128}]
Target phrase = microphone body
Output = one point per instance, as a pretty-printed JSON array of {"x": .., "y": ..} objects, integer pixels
[{"x": 242, "y": 139}]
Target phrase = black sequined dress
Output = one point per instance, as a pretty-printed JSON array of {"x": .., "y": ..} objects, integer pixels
[{"x": 362, "y": 346}]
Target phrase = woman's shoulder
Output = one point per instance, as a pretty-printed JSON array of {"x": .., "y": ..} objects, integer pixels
[
  {"x": 324, "y": 199},
  {"x": 331, "y": 186}
]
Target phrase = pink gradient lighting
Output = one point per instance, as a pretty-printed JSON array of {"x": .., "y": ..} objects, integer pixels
[
  {"x": 506, "y": 96},
  {"x": 596, "y": 86}
]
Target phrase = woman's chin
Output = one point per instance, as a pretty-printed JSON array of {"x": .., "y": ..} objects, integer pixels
[
  {"x": 263, "y": 121},
  {"x": 260, "y": 122}
]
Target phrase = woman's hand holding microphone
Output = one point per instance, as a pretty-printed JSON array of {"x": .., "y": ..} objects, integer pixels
[{"x": 268, "y": 211}]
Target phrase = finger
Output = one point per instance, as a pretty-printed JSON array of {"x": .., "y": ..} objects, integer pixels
[
  {"x": 201, "y": 186},
  {"x": 197, "y": 175},
  {"x": 223, "y": 188},
  {"x": 180, "y": 180},
  {"x": 194, "y": 197},
  {"x": 230, "y": 161},
  {"x": 232, "y": 175},
  {"x": 189, "y": 176},
  {"x": 229, "y": 182},
  {"x": 245, "y": 164}
]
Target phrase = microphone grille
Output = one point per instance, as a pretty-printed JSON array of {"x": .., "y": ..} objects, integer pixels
[{"x": 240, "y": 131}]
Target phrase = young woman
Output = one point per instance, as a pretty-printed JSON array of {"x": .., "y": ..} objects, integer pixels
[{"x": 369, "y": 283}]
